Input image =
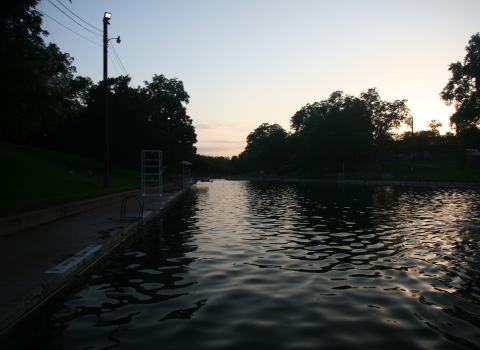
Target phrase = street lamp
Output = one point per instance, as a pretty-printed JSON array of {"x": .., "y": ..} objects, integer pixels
[{"x": 106, "y": 22}]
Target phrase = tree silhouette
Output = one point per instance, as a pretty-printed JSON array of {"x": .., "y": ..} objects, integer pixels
[
  {"x": 34, "y": 76},
  {"x": 265, "y": 148},
  {"x": 463, "y": 88},
  {"x": 139, "y": 119}
]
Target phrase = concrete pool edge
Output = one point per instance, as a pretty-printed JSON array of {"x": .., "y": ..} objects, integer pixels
[
  {"x": 25, "y": 304},
  {"x": 22, "y": 221}
]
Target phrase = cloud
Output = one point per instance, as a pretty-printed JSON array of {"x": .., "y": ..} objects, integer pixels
[
  {"x": 216, "y": 126},
  {"x": 220, "y": 139},
  {"x": 220, "y": 147},
  {"x": 224, "y": 141}
]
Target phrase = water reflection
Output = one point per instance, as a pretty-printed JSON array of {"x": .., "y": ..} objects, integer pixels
[{"x": 262, "y": 265}]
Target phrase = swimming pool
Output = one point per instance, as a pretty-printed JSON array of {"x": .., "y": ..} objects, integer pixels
[{"x": 237, "y": 265}]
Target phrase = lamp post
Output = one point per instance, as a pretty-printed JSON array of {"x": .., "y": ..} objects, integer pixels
[
  {"x": 413, "y": 145},
  {"x": 106, "y": 19},
  {"x": 106, "y": 22},
  {"x": 168, "y": 131}
]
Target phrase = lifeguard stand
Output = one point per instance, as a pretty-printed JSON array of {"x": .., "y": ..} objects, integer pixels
[
  {"x": 152, "y": 176},
  {"x": 186, "y": 179}
]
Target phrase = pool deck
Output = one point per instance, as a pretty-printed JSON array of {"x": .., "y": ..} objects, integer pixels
[{"x": 42, "y": 251}]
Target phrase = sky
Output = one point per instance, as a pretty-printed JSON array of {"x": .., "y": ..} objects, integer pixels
[{"x": 248, "y": 62}]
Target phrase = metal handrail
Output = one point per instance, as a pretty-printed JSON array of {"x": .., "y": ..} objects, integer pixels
[{"x": 141, "y": 207}]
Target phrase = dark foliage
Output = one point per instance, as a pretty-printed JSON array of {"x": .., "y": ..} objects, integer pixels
[
  {"x": 43, "y": 104},
  {"x": 463, "y": 92},
  {"x": 325, "y": 134},
  {"x": 34, "y": 76},
  {"x": 139, "y": 118}
]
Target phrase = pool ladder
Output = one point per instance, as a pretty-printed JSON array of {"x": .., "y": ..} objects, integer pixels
[{"x": 141, "y": 206}]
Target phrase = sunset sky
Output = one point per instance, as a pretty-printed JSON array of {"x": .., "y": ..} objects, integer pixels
[{"x": 247, "y": 62}]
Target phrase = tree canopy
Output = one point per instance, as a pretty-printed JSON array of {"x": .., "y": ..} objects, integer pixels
[
  {"x": 43, "y": 103},
  {"x": 384, "y": 115},
  {"x": 34, "y": 75},
  {"x": 266, "y": 147},
  {"x": 463, "y": 88},
  {"x": 337, "y": 129},
  {"x": 149, "y": 117},
  {"x": 340, "y": 128}
]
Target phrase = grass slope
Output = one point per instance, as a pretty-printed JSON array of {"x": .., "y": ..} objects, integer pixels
[
  {"x": 434, "y": 170},
  {"x": 34, "y": 177},
  {"x": 431, "y": 170}
]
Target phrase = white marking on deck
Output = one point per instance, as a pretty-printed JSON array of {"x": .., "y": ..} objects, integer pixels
[
  {"x": 145, "y": 213},
  {"x": 67, "y": 264}
]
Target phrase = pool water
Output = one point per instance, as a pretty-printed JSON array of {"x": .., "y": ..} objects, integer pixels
[{"x": 245, "y": 265}]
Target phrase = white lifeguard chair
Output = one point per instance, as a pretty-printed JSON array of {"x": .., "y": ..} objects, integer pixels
[
  {"x": 186, "y": 178},
  {"x": 152, "y": 176}
]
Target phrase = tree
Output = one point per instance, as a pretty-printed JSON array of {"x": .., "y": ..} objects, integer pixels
[
  {"x": 345, "y": 127},
  {"x": 463, "y": 88},
  {"x": 166, "y": 100},
  {"x": 151, "y": 117},
  {"x": 343, "y": 132},
  {"x": 34, "y": 76},
  {"x": 434, "y": 125},
  {"x": 84, "y": 133},
  {"x": 385, "y": 115},
  {"x": 265, "y": 148},
  {"x": 334, "y": 130},
  {"x": 77, "y": 94},
  {"x": 298, "y": 119}
]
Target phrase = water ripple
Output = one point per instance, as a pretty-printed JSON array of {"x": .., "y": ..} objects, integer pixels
[{"x": 263, "y": 265}]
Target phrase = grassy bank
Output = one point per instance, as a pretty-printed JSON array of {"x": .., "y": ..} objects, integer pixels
[
  {"x": 432, "y": 170},
  {"x": 34, "y": 177}
]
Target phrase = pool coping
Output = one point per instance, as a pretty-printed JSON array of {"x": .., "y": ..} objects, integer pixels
[{"x": 25, "y": 304}]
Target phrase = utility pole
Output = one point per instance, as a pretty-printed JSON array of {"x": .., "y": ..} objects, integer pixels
[
  {"x": 106, "y": 22},
  {"x": 168, "y": 131},
  {"x": 413, "y": 149}
]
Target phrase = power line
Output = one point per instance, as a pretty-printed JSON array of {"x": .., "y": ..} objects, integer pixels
[
  {"x": 59, "y": 9},
  {"x": 118, "y": 58},
  {"x": 120, "y": 63},
  {"x": 78, "y": 16},
  {"x": 96, "y": 75},
  {"x": 48, "y": 26},
  {"x": 115, "y": 57},
  {"x": 111, "y": 59},
  {"x": 43, "y": 13}
]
